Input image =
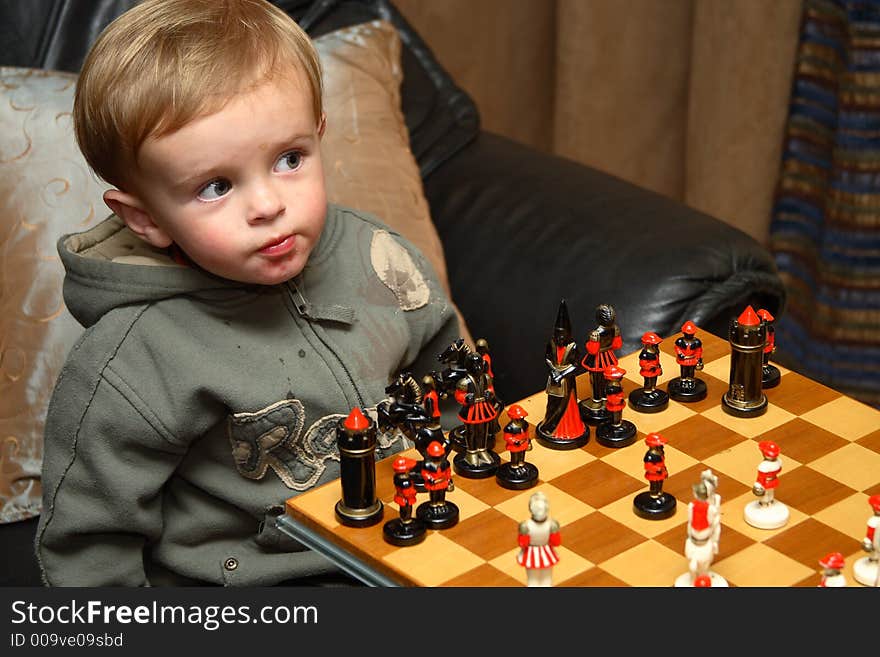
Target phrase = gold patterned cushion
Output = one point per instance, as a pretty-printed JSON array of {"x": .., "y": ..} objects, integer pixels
[{"x": 46, "y": 190}]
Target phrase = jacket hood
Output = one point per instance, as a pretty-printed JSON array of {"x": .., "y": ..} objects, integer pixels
[{"x": 109, "y": 266}]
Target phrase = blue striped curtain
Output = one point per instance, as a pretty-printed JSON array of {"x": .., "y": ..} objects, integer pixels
[{"x": 825, "y": 228}]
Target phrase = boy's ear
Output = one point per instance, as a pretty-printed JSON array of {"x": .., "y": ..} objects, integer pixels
[
  {"x": 129, "y": 208},
  {"x": 322, "y": 124}
]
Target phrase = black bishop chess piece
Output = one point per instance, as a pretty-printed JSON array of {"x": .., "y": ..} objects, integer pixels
[
  {"x": 655, "y": 503},
  {"x": 517, "y": 474},
  {"x": 405, "y": 529},
  {"x": 649, "y": 398}
]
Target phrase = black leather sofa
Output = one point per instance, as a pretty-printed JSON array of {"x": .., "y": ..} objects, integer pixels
[{"x": 521, "y": 229}]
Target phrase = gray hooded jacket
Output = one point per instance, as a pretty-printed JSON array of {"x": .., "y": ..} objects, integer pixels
[{"x": 193, "y": 406}]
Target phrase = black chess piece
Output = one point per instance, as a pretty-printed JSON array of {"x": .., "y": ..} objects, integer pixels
[
  {"x": 616, "y": 432},
  {"x": 745, "y": 396},
  {"x": 689, "y": 356},
  {"x": 770, "y": 374},
  {"x": 517, "y": 474},
  {"x": 655, "y": 503},
  {"x": 437, "y": 512},
  {"x": 406, "y": 529},
  {"x": 649, "y": 398},
  {"x": 356, "y": 436},
  {"x": 563, "y": 426},
  {"x": 478, "y": 414},
  {"x": 601, "y": 348}
]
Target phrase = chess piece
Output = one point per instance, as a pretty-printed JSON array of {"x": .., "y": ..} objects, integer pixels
[
  {"x": 655, "y": 503},
  {"x": 701, "y": 545},
  {"x": 770, "y": 374},
  {"x": 832, "y": 565},
  {"x": 710, "y": 480},
  {"x": 616, "y": 432},
  {"x": 356, "y": 438},
  {"x": 517, "y": 474},
  {"x": 649, "y": 398},
  {"x": 703, "y": 582},
  {"x": 689, "y": 355},
  {"x": 427, "y": 428},
  {"x": 600, "y": 346},
  {"x": 453, "y": 357},
  {"x": 482, "y": 347},
  {"x": 562, "y": 426},
  {"x": 437, "y": 512},
  {"x": 745, "y": 396},
  {"x": 767, "y": 512},
  {"x": 477, "y": 414},
  {"x": 406, "y": 529},
  {"x": 867, "y": 569},
  {"x": 539, "y": 536}
]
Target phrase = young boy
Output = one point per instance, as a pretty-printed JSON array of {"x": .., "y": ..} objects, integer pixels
[{"x": 232, "y": 316}]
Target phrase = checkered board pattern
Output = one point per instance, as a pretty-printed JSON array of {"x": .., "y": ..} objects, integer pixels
[{"x": 830, "y": 453}]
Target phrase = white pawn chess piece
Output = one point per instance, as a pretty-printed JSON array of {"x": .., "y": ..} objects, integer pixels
[
  {"x": 832, "y": 567},
  {"x": 538, "y": 538},
  {"x": 866, "y": 570},
  {"x": 710, "y": 480},
  {"x": 767, "y": 512},
  {"x": 701, "y": 546}
]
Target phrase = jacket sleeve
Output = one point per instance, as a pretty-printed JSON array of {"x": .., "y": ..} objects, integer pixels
[{"x": 105, "y": 462}]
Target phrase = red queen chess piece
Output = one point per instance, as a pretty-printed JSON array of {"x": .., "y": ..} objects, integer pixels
[{"x": 562, "y": 426}]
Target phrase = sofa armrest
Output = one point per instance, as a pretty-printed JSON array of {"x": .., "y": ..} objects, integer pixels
[{"x": 523, "y": 229}]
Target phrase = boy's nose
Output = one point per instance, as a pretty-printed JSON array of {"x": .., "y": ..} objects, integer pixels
[{"x": 266, "y": 203}]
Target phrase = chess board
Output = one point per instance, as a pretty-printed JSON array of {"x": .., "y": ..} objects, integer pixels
[{"x": 830, "y": 453}]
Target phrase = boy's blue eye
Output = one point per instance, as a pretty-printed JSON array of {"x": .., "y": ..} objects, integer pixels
[
  {"x": 289, "y": 161},
  {"x": 214, "y": 190}
]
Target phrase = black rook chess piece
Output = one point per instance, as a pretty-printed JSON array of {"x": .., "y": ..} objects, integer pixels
[{"x": 356, "y": 437}]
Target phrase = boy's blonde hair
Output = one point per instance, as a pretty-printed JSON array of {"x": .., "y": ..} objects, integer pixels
[{"x": 164, "y": 63}]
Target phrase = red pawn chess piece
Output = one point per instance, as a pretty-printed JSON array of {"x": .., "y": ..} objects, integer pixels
[
  {"x": 649, "y": 398},
  {"x": 604, "y": 340},
  {"x": 655, "y": 503},
  {"x": 616, "y": 432},
  {"x": 517, "y": 474},
  {"x": 689, "y": 355},
  {"x": 406, "y": 529},
  {"x": 770, "y": 374},
  {"x": 562, "y": 427},
  {"x": 832, "y": 565},
  {"x": 437, "y": 512}
]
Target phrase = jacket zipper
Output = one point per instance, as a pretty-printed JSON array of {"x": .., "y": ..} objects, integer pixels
[{"x": 302, "y": 307}]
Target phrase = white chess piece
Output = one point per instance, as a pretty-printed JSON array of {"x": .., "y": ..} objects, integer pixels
[
  {"x": 767, "y": 512},
  {"x": 866, "y": 570},
  {"x": 701, "y": 546},
  {"x": 710, "y": 480},
  {"x": 538, "y": 538},
  {"x": 832, "y": 565}
]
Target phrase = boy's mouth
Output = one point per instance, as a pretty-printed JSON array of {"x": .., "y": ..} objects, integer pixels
[{"x": 278, "y": 246}]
